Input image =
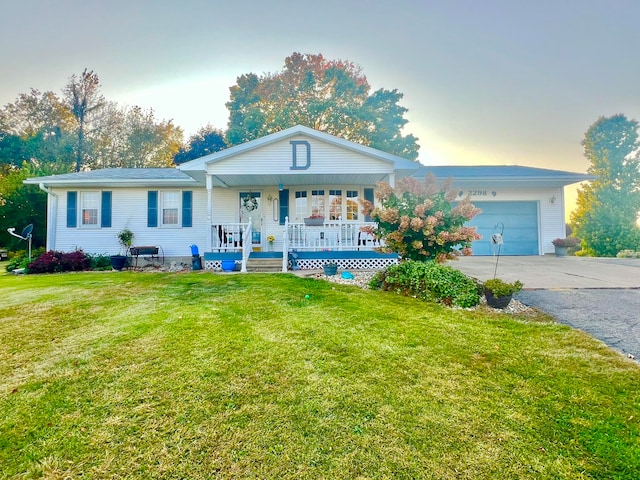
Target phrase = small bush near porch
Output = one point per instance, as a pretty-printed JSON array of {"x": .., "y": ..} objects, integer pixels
[{"x": 130, "y": 375}]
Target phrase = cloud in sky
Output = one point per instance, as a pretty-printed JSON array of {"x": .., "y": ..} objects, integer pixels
[{"x": 492, "y": 82}]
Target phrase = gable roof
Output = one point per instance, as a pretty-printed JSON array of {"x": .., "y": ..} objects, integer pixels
[
  {"x": 503, "y": 174},
  {"x": 400, "y": 163},
  {"x": 118, "y": 177}
]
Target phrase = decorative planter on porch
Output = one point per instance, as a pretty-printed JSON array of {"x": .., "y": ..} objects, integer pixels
[
  {"x": 561, "y": 251},
  {"x": 330, "y": 269},
  {"x": 228, "y": 265},
  {"x": 314, "y": 221}
]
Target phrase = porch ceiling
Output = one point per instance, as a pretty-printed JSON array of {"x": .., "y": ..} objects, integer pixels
[{"x": 242, "y": 180}]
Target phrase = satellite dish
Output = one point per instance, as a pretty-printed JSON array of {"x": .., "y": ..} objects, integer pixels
[
  {"x": 26, "y": 231},
  {"x": 26, "y": 235}
]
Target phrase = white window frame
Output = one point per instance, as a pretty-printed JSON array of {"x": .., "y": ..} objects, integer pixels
[
  {"x": 301, "y": 204},
  {"x": 82, "y": 201},
  {"x": 161, "y": 208},
  {"x": 318, "y": 201},
  {"x": 325, "y": 200},
  {"x": 349, "y": 200}
]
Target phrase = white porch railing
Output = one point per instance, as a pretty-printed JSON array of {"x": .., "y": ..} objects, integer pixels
[
  {"x": 228, "y": 237},
  {"x": 332, "y": 235}
]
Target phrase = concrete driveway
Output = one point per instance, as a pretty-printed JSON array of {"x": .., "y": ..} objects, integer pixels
[
  {"x": 551, "y": 272},
  {"x": 600, "y": 296}
]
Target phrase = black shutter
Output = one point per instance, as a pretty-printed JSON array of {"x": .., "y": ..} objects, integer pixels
[
  {"x": 284, "y": 205},
  {"x": 105, "y": 218},
  {"x": 152, "y": 208},
  {"x": 72, "y": 209},
  {"x": 187, "y": 208}
]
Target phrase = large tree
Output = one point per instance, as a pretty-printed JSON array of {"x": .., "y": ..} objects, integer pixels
[
  {"x": 82, "y": 130},
  {"x": 607, "y": 208},
  {"x": 36, "y": 128},
  {"x": 85, "y": 101},
  {"x": 134, "y": 138},
  {"x": 328, "y": 95},
  {"x": 22, "y": 204},
  {"x": 206, "y": 141}
]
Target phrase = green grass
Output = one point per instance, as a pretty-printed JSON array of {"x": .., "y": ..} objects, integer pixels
[{"x": 145, "y": 375}]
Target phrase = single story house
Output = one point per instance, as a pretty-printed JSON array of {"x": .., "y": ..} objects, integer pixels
[{"x": 265, "y": 198}]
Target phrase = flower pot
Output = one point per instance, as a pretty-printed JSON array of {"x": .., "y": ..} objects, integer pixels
[
  {"x": 330, "y": 269},
  {"x": 497, "y": 302},
  {"x": 561, "y": 251},
  {"x": 118, "y": 262},
  {"x": 311, "y": 222},
  {"x": 228, "y": 265}
]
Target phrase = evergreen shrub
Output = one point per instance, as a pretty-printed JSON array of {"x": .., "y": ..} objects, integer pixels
[{"x": 429, "y": 281}]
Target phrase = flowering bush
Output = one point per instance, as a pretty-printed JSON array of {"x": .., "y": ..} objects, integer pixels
[
  {"x": 566, "y": 242},
  {"x": 417, "y": 221}
]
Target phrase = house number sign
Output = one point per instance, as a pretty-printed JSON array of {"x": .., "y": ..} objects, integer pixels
[{"x": 477, "y": 193}]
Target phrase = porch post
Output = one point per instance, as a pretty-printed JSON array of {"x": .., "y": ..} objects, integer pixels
[
  {"x": 392, "y": 180},
  {"x": 209, "y": 212}
]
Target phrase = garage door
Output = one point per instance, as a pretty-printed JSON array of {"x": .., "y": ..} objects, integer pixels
[{"x": 520, "y": 235}]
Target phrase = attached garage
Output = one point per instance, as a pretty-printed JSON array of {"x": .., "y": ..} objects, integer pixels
[
  {"x": 516, "y": 221},
  {"x": 525, "y": 204}
]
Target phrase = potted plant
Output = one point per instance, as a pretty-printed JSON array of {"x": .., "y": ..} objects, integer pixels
[
  {"x": 330, "y": 268},
  {"x": 125, "y": 238},
  {"x": 499, "y": 293},
  {"x": 270, "y": 240},
  {"x": 314, "y": 220},
  {"x": 562, "y": 245}
]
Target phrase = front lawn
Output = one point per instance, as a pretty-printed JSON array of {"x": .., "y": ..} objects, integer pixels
[{"x": 147, "y": 375}]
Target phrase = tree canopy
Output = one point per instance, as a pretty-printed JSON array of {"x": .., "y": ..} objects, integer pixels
[
  {"x": 206, "y": 141},
  {"x": 607, "y": 209},
  {"x": 22, "y": 204},
  {"x": 84, "y": 101},
  {"x": 328, "y": 95},
  {"x": 83, "y": 130}
]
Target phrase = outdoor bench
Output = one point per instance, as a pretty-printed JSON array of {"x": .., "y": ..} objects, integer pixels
[{"x": 150, "y": 251}]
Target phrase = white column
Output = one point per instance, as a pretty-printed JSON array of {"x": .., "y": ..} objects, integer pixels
[{"x": 209, "y": 212}]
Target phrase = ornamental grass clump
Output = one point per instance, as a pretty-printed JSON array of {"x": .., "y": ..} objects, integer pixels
[
  {"x": 417, "y": 220},
  {"x": 429, "y": 281}
]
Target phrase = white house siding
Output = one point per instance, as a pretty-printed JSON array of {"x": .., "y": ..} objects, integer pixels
[
  {"x": 550, "y": 200},
  {"x": 129, "y": 209},
  {"x": 276, "y": 158},
  {"x": 552, "y": 217}
]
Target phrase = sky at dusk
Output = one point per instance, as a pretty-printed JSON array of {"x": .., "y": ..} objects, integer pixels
[{"x": 485, "y": 82}]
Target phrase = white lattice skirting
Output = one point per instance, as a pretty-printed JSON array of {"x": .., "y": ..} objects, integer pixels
[
  {"x": 346, "y": 263},
  {"x": 317, "y": 264}
]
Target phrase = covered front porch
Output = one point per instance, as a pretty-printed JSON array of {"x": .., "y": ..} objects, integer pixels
[
  {"x": 261, "y": 194},
  {"x": 300, "y": 246}
]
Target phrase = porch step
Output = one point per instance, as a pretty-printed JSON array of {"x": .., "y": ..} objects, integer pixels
[{"x": 264, "y": 265}]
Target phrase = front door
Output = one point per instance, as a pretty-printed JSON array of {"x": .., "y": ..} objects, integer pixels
[{"x": 251, "y": 208}]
